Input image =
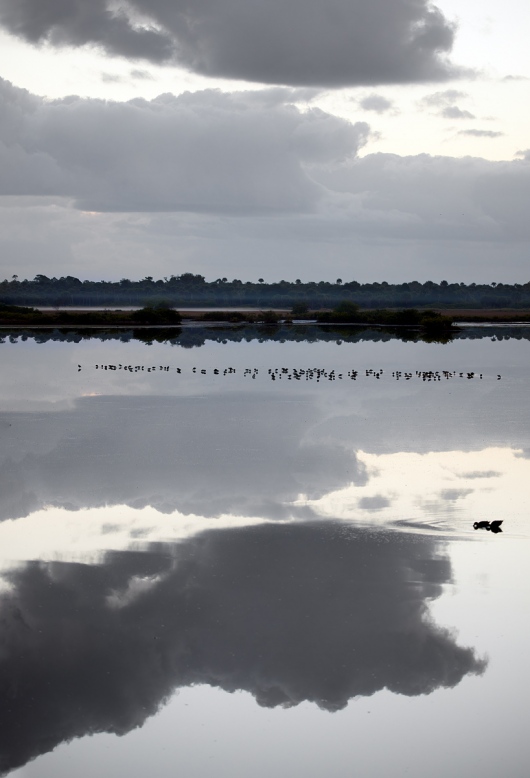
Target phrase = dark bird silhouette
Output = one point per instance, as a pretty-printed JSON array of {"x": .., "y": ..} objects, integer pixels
[
  {"x": 490, "y": 526},
  {"x": 495, "y": 526}
]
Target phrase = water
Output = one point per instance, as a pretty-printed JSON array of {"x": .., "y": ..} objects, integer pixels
[{"x": 211, "y": 571}]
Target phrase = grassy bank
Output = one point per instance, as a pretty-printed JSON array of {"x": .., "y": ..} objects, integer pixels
[{"x": 14, "y": 315}]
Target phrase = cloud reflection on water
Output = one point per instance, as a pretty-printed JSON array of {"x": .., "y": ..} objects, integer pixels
[
  {"x": 314, "y": 612},
  {"x": 257, "y": 455},
  {"x": 242, "y": 454}
]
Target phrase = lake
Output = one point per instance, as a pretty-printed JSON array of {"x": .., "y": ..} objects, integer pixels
[{"x": 234, "y": 551}]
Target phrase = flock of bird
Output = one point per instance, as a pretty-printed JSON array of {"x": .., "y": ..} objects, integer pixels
[
  {"x": 299, "y": 374},
  {"x": 308, "y": 374}
]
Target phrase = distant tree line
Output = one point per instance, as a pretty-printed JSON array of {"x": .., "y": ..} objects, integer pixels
[{"x": 189, "y": 289}]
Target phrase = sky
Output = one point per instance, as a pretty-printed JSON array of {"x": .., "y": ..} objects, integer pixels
[{"x": 363, "y": 139}]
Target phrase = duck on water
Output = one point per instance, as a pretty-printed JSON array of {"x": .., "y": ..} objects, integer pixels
[{"x": 490, "y": 526}]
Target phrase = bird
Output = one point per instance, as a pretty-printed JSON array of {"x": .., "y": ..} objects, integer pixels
[{"x": 490, "y": 526}]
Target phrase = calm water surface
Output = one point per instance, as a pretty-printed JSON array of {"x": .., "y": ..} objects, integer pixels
[{"x": 256, "y": 558}]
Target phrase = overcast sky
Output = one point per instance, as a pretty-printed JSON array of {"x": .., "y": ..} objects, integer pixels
[{"x": 361, "y": 139}]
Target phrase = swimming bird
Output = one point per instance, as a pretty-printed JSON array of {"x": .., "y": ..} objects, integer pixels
[{"x": 490, "y": 526}]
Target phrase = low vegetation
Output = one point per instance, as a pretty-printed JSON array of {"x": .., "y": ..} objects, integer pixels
[
  {"x": 150, "y": 316},
  {"x": 350, "y": 313},
  {"x": 163, "y": 315}
]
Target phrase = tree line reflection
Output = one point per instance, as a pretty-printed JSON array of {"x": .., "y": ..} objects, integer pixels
[{"x": 196, "y": 336}]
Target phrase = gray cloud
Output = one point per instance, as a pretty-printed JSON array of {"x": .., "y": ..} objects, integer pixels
[
  {"x": 454, "y": 112},
  {"x": 359, "y": 236},
  {"x": 375, "y": 503},
  {"x": 481, "y": 474},
  {"x": 440, "y": 99},
  {"x": 289, "y": 614},
  {"x": 112, "y": 78},
  {"x": 452, "y": 495},
  {"x": 347, "y": 42},
  {"x": 140, "y": 74},
  {"x": 445, "y": 101},
  {"x": 200, "y": 155},
  {"x": 376, "y": 103},
  {"x": 434, "y": 197},
  {"x": 481, "y": 133},
  {"x": 137, "y": 74},
  {"x": 382, "y": 217},
  {"x": 204, "y": 151},
  {"x": 350, "y": 42}
]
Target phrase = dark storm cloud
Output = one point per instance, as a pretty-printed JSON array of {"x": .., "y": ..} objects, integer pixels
[
  {"x": 376, "y": 103},
  {"x": 78, "y": 22},
  {"x": 287, "y": 613},
  {"x": 248, "y": 455},
  {"x": 341, "y": 42},
  {"x": 203, "y": 151}
]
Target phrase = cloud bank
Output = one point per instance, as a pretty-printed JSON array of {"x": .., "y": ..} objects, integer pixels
[
  {"x": 249, "y": 154},
  {"x": 204, "y": 151},
  {"x": 303, "y": 42},
  {"x": 222, "y": 177},
  {"x": 286, "y": 613}
]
